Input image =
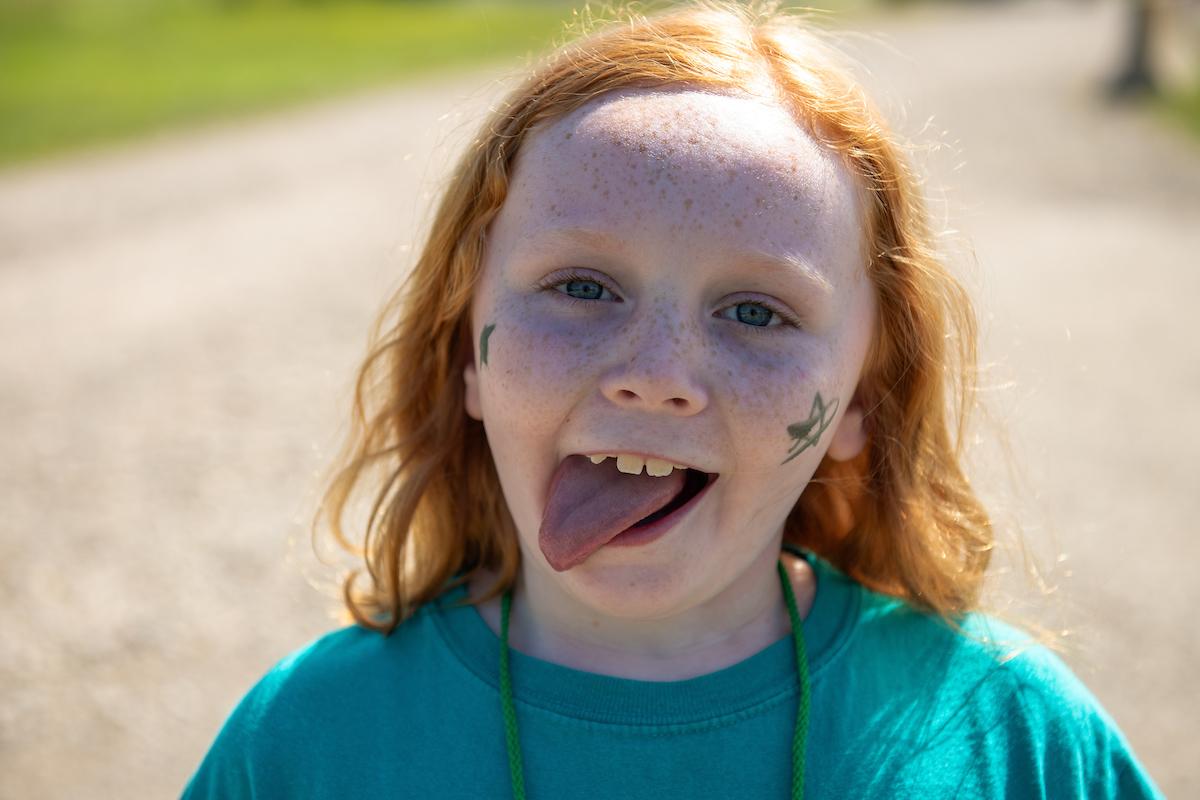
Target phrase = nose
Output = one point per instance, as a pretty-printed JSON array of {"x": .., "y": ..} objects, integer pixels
[{"x": 660, "y": 375}]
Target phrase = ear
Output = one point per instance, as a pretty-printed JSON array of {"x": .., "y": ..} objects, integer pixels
[
  {"x": 851, "y": 435},
  {"x": 471, "y": 390}
]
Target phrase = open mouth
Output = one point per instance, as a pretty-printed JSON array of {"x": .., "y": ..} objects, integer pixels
[
  {"x": 592, "y": 502},
  {"x": 694, "y": 483}
]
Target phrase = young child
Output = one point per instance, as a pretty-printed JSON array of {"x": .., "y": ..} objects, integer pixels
[{"x": 665, "y": 497}]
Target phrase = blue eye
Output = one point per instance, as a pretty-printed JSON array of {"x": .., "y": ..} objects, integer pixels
[
  {"x": 754, "y": 314},
  {"x": 583, "y": 289}
]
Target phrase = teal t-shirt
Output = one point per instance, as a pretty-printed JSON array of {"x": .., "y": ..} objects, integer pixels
[{"x": 902, "y": 707}]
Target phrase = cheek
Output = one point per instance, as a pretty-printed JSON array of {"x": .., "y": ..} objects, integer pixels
[
  {"x": 771, "y": 394},
  {"x": 537, "y": 364},
  {"x": 766, "y": 383}
]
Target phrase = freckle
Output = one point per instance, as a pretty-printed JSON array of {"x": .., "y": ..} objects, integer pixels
[
  {"x": 569, "y": 135},
  {"x": 737, "y": 221},
  {"x": 594, "y": 186},
  {"x": 593, "y": 154},
  {"x": 687, "y": 204}
]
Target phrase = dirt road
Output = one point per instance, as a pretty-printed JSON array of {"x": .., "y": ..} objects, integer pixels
[{"x": 179, "y": 320}]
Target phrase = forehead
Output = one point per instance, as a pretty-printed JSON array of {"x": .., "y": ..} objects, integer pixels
[
  {"x": 690, "y": 125},
  {"x": 735, "y": 167}
]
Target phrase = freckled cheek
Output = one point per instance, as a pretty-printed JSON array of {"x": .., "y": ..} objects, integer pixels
[
  {"x": 765, "y": 382},
  {"x": 766, "y": 393},
  {"x": 538, "y": 363},
  {"x": 761, "y": 398}
]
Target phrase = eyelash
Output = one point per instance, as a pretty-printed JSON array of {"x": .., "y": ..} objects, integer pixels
[{"x": 787, "y": 320}]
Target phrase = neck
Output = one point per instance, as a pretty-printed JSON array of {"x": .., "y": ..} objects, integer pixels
[{"x": 742, "y": 619}]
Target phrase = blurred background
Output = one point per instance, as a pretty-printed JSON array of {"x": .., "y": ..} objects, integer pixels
[{"x": 203, "y": 203}]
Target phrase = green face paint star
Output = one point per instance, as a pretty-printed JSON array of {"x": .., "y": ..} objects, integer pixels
[
  {"x": 483, "y": 342},
  {"x": 807, "y": 433}
]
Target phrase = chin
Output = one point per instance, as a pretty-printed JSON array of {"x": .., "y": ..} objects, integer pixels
[{"x": 616, "y": 587}]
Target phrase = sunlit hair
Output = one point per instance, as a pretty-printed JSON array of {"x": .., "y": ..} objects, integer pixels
[{"x": 901, "y": 518}]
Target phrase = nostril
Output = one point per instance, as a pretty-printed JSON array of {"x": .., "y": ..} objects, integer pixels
[{"x": 651, "y": 395}]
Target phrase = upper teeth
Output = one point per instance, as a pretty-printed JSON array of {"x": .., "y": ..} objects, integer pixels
[{"x": 632, "y": 465}]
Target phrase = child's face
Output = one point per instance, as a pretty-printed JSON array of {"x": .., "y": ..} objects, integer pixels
[{"x": 680, "y": 275}]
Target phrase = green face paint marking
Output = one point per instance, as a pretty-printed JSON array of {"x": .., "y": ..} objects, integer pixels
[
  {"x": 483, "y": 341},
  {"x": 807, "y": 433}
]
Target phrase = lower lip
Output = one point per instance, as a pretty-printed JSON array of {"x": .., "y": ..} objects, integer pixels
[{"x": 636, "y": 537}]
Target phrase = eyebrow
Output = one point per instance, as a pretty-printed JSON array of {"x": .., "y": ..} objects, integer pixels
[
  {"x": 577, "y": 235},
  {"x": 790, "y": 266},
  {"x": 787, "y": 266}
]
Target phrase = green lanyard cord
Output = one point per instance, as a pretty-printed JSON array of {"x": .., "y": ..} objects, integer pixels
[
  {"x": 799, "y": 737},
  {"x": 800, "y": 734},
  {"x": 510, "y": 712}
]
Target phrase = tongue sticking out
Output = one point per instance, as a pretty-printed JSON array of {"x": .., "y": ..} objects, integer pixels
[{"x": 590, "y": 503}]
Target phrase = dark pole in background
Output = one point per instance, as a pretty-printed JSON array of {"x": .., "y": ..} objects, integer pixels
[{"x": 1136, "y": 77}]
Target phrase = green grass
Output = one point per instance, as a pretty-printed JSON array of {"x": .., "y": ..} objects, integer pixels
[
  {"x": 80, "y": 72},
  {"x": 1183, "y": 108}
]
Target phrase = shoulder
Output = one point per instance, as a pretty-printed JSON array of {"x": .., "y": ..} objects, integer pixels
[
  {"x": 351, "y": 653},
  {"x": 976, "y": 656},
  {"x": 270, "y": 727},
  {"x": 1016, "y": 718},
  {"x": 329, "y": 672},
  {"x": 327, "y": 691}
]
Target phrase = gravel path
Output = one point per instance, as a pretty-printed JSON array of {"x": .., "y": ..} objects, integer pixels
[{"x": 180, "y": 318}]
